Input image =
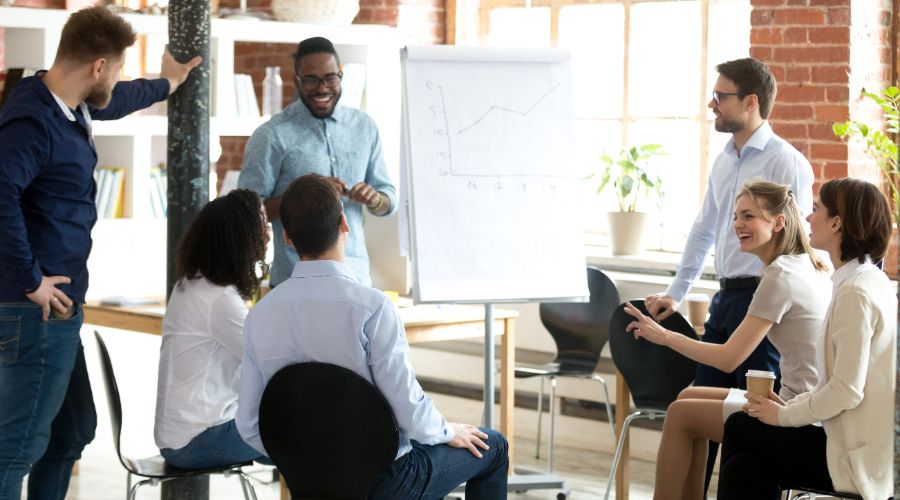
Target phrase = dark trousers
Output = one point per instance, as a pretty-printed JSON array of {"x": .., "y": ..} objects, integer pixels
[
  {"x": 759, "y": 460},
  {"x": 726, "y": 311},
  {"x": 429, "y": 472}
]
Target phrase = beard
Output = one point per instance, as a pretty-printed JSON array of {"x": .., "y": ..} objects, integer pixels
[
  {"x": 308, "y": 100},
  {"x": 99, "y": 97},
  {"x": 728, "y": 126}
]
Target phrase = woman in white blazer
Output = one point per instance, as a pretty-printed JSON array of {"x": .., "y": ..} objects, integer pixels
[{"x": 839, "y": 435}]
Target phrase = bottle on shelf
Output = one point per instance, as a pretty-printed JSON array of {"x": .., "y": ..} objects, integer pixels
[{"x": 271, "y": 91}]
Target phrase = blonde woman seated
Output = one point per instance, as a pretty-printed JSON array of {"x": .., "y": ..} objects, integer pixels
[
  {"x": 788, "y": 306},
  {"x": 837, "y": 436}
]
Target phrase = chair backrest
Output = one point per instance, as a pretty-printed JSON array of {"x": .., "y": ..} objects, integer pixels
[
  {"x": 112, "y": 398},
  {"x": 329, "y": 431},
  {"x": 581, "y": 329},
  {"x": 655, "y": 374}
]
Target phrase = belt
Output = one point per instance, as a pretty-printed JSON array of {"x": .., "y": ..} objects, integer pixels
[{"x": 735, "y": 283}]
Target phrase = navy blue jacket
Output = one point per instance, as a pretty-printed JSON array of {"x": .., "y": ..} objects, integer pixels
[{"x": 47, "y": 187}]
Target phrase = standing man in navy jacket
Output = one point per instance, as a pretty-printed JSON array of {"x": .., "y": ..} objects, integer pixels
[{"x": 47, "y": 210}]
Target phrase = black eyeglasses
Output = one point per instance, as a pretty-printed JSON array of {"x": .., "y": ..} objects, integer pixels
[
  {"x": 717, "y": 96},
  {"x": 312, "y": 82}
]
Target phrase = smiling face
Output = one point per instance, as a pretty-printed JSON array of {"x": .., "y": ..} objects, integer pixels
[
  {"x": 824, "y": 230},
  {"x": 756, "y": 230},
  {"x": 729, "y": 111},
  {"x": 320, "y": 99},
  {"x": 101, "y": 92}
]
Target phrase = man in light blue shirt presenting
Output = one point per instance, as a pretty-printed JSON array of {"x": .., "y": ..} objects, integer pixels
[
  {"x": 321, "y": 313},
  {"x": 742, "y": 98},
  {"x": 316, "y": 135}
]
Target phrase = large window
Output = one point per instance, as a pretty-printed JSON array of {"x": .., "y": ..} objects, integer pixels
[{"x": 642, "y": 73}]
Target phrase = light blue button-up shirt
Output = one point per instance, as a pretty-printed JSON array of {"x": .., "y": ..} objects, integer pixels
[
  {"x": 322, "y": 314},
  {"x": 765, "y": 155},
  {"x": 294, "y": 143}
]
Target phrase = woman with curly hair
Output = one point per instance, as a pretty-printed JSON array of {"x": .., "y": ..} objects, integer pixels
[{"x": 200, "y": 356}]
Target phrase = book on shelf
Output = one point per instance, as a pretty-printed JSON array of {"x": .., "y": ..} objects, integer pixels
[
  {"x": 353, "y": 85},
  {"x": 13, "y": 76},
  {"x": 158, "y": 200},
  {"x": 246, "y": 103},
  {"x": 110, "y": 192}
]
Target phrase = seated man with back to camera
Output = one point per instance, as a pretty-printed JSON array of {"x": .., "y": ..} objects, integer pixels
[{"x": 322, "y": 313}]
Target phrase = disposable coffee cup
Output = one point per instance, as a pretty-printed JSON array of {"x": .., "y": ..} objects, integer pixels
[
  {"x": 760, "y": 382},
  {"x": 698, "y": 307}
]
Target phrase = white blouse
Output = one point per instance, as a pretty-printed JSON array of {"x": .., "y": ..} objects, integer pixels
[{"x": 199, "y": 361}]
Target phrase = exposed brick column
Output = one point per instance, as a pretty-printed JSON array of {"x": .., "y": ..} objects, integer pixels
[{"x": 822, "y": 53}]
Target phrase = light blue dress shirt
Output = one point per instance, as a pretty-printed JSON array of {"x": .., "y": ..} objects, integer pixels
[
  {"x": 765, "y": 155},
  {"x": 294, "y": 143},
  {"x": 322, "y": 314}
]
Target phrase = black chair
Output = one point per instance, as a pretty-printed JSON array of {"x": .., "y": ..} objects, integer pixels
[
  {"x": 654, "y": 374},
  {"x": 329, "y": 431},
  {"x": 810, "y": 493},
  {"x": 154, "y": 469},
  {"x": 580, "y": 330}
]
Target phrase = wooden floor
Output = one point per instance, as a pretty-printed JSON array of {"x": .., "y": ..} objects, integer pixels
[{"x": 101, "y": 477}]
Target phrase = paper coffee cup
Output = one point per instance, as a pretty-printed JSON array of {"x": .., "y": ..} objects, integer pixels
[
  {"x": 760, "y": 382},
  {"x": 698, "y": 307}
]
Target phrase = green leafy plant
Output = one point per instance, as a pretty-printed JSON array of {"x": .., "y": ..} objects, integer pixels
[
  {"x": 879, "y": 141},
  {"x": 630, "y": 176}
]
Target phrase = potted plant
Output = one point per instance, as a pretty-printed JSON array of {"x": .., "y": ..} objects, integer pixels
[
  {"x": 879, "y": 140},
  {"x": 630, "y": 176}
]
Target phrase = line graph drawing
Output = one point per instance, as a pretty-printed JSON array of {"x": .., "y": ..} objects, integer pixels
[
  {"x": 510, "y": 137},
  {"x": 508, "y": 110}
]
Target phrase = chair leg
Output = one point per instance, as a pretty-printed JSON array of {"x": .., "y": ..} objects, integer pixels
[
  {"x": 540, "y": 412},
  {"x": 246, "y": 486},
  {"x": 619, "y": 446},
  {"x": 132, "y": 493},
  {"x": 552, "y": 423},
  {"x": 610, "y": 414}
]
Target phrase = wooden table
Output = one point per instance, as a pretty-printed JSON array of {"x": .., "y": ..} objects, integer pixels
[{"x": 423, "y": 323}]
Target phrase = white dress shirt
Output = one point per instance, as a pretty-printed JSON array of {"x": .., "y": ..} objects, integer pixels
[
  {"x": 764, "y": 155},
  {"x": 322, "y": 314},
  {"x": 199, "y": 361}
]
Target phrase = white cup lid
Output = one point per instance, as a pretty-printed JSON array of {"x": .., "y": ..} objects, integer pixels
[{"x": 760, "y": 373}]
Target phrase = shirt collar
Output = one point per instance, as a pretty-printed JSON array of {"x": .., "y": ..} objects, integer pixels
[
  {"x": 757, "y": 141},
  {"x": 320, "y": 268},
  {"x": 849, "y": 269}
]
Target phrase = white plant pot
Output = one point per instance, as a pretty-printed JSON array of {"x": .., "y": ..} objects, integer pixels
[{"x": 626, "y": 232}]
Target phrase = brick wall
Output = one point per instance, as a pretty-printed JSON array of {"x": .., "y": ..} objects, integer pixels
[{"x": 823, "y": 52}]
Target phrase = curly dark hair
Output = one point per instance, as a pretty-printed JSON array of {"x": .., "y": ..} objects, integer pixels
[
  {"x": 225, "y": 242},
  {"x": 94, "y": 33}
]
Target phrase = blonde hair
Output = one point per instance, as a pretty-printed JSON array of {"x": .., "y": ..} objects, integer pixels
[{"x": 777, "y": 199}]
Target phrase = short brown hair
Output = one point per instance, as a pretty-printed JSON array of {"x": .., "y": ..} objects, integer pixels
[
  {"x": 311, "y": 212},
  {"x": 752, "y": 76},
  {"x": 865, "y": 217},
  {"x": 94, "y": 33}
]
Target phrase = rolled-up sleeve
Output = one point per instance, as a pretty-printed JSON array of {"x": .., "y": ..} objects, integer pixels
[
  {"x": 377, "y": 174},
  {"x": 261, "y": 167}
]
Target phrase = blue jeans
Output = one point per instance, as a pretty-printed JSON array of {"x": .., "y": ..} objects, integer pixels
[
  {"x": 726, "y": 311},
  {"x": 431, "y": 472},
  {"x": 217, "y": 446},
  {"x": 47, "y": 413}
]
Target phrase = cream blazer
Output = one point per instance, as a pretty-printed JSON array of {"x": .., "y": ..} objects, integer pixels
[{"x": 854, "y": 403}]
